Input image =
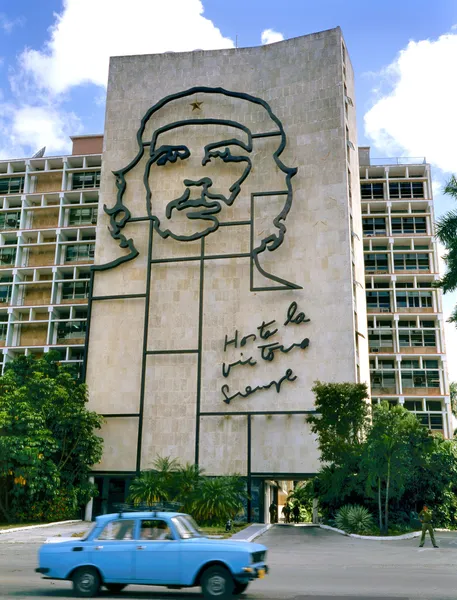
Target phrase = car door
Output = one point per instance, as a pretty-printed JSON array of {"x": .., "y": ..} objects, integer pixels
[
  {"x": 158, "y": 553},
  {"x": 113, "y": 550}
]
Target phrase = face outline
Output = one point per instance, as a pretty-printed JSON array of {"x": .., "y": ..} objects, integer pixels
[{"x": 199, "y": 201}]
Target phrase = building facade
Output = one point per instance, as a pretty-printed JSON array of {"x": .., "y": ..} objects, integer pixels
[
  {"x": 228, "y": 269},
  {"x": 48, "y": 220},
  {"x": 405, "y": 320}
]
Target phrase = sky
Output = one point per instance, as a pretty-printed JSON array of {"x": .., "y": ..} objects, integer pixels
[{"x": 54, "y": 57}]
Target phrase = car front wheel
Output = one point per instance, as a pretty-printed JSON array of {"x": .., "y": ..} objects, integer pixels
[
  {"x": 86, "y": 582},
  {"x": 217, "y": 583},
  {"x": 115, "y": 588},
  {"x": 240, "y": 588}
]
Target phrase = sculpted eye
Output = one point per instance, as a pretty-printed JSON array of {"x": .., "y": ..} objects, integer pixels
[{"x": 166, "y": 154}]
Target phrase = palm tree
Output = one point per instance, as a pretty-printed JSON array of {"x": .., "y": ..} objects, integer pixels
[
  {"x": 446, "y": 232},
  {"x": 188, "y": 479},
  {"x": 157, "y": 484},
  {"x": 219, "y": 499}
]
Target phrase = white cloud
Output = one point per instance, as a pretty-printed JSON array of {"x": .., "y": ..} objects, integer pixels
[
  {"x": 7, "y": 24},
  {"x": 270, "y": 36},
  {"x": 417, "y": 116},
  {"x": 81, "y": 40},
  {"x": 88, "y": 32}
]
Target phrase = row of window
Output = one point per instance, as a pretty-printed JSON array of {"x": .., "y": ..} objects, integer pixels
[
  {"x": 407, "y": 339},
  {"x": 382, "y": 300},
  {"x": 397, "y": 190},
  {"x": 409, "y": 379},
  {"x": 71, "y": 290},
  {"x": 79, "y": 181},
  {"x": 373, "y": 226},
  {"x": 402, "y": 262},
  {"x": 73, "y": 253},
  {"x": 76, "y": 216}
]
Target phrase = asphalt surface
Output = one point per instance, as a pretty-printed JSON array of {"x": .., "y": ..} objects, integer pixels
[{"x": 306, "y": 564}]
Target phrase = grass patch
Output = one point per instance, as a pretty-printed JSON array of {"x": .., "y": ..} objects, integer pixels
[
  {"x": 220, "y": 529},
  {"x": 5, "y": 526}
]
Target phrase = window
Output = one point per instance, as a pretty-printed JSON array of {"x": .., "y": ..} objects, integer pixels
[
  {"x": 406, "y": 189},
  {"x": 82, "y": 216},
  {"x": 411, "y": 262},
  {"x": 431, "y": 421},
  {"x": 155, "y": 530},
  {"x": 380, "y": 339},
  {"x": 118, "y": 530},
  {"x": 79, "y": 252},
  {"x": 84, "y": 180},
  {"x": 413, "y": 405},
  {"x": 11, "y": 185},
  {"x": 3, "y": 326},
  {"x": 71, "y": 330},
  {"x": 7, "y": 256},
  {"x": 9, "y": 220},
  {"x": 371, "y": 191},
  {"x": 414, "y": 300},
  {"x": 374, "y": 226},
  {"x": 413, "y": 377},
  {"x": 417, "y": 338},
  {"x": 75, "y": 289},
  {"x": 383, "y": 379},
  {"x": 376, "y": 262},
  {"x": 433, "y": 405},
  {"x": 409, "y": 225},
  {"x": 378, "y": 300}
]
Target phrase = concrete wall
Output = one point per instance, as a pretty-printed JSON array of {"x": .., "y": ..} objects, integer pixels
[{"x": 302, "y": 80}]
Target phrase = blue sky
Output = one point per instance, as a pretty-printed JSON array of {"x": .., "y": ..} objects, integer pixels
[{"x": 54, "y": 60}]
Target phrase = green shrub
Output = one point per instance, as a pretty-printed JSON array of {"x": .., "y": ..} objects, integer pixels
[{"x": 354, "y": 519}]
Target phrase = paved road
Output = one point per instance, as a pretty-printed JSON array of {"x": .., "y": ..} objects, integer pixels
[{"x": 306, "y": 564}]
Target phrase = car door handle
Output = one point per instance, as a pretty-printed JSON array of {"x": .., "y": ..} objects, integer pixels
[
  {"x": 98, "y": 547},
  {"x": 141, "y": 547}
]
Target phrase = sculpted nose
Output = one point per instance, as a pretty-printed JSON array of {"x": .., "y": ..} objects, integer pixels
[{"x": 206, "y": 182}]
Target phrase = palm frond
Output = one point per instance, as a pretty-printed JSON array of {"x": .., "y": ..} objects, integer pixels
[{"x": 446, "y": 228}]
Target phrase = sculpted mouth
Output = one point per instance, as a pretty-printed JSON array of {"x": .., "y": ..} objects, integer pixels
[{"x": 199, "y": 207}]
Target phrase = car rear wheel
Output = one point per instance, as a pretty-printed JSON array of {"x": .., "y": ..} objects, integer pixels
[
  {"x": 240, "y": 588},
  {"x": 115, "y": 588},
  {"x": 217, "y": 583},
  {"x": 86, "y": 582}
]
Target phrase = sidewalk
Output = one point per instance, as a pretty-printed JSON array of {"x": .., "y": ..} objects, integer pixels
[{"x": 251, "y": 532}]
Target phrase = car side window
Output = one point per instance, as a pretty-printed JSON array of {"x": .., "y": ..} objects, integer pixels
[
  {"x": 118, "y": 530},
  {"x": 155, "y": 529}
]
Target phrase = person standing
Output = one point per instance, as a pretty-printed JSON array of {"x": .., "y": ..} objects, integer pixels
[
  {"x": 425, "y": 517},
  {"x": 296, "y": 512},
  {"x": 273, "y": 512}
]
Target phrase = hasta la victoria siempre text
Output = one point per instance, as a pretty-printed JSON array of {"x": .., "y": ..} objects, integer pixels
[{"x": 268, "y": 351}]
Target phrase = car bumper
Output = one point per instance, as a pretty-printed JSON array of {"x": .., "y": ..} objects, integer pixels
[{"x": 250, "y": 573}]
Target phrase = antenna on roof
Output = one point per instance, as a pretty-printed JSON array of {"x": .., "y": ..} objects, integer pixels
[{"x": 40, "y": 153}]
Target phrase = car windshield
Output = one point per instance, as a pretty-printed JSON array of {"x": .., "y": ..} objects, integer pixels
[
  {"x": 187, "y": 527},
  {"x": 87, "y": 533}
]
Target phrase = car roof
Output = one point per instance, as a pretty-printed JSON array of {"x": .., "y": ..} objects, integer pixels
[{"x": 138, "y": 515}]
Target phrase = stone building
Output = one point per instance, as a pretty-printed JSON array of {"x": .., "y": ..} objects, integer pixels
[{"x": 230, "y": 276}]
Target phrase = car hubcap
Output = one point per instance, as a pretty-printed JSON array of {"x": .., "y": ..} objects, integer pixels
[
  {"x": 86, "y": 582},
  {"x": 216, "y": 585}
]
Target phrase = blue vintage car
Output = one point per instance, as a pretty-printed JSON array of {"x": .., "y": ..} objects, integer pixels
[{"x": 152, "y": 548}]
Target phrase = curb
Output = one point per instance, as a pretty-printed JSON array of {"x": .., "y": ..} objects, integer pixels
[
  {"x": 27, "y": 527},
  {"x": 405, "y": 536},
  {"x": 259, "y": 532}
]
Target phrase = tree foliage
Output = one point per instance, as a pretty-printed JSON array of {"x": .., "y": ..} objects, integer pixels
[
  {"x": 342, "y": 419},
  {"x": 393, "y": 471},
  {"x": 446, "y": 232},
  {"x": 209, "y": 499},
  {"x": 47, "y": 440},
  {"x": 390, "y": 454}
]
